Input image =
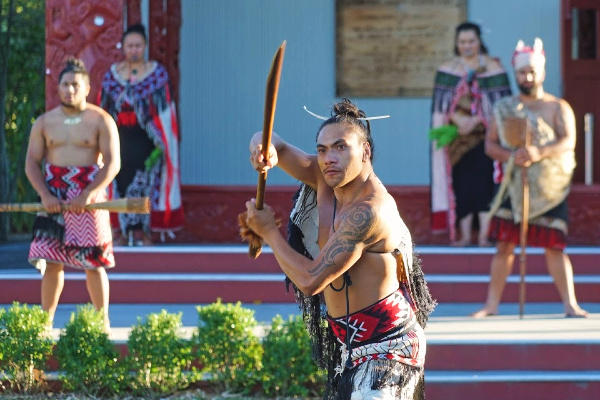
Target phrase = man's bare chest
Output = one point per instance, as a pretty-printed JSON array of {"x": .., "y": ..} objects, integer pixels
[
  {"x": 544, "y": 110},
  {"x": 80, "y": 135}
]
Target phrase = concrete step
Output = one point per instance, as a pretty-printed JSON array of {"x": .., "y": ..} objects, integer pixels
[
  {"x": 476, "y": 261},
  {"x": 514, "y": 385},
  {"x": 201, "y": 274},
  {"x": 144, "y": 288},
  {"x": 539, "y": 288},
  {"x": 543, "y": 355},
  {"x": 233, "y": 258},
  {"x": 204, "y": 287}
]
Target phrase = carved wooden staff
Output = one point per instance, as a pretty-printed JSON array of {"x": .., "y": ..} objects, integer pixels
[
  {"x": 133, "y": 205},
  {"x": 524, "y": 223},
  {"x": 269, "y": 116}
]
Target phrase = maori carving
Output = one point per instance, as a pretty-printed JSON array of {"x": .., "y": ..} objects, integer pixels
[
  {"x": 163, "y": 32},
  {"x": 92, "y": 30},
  {"x": 134, "y": 11},
  {"x": 211, "y": 213},
  {"x": 89, "y": 30}
]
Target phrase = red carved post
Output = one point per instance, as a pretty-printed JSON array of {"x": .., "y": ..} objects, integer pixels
[
  {"x": 134, "y": 12},
  {"x": 92, "y": 30},
  {"x": 89, "y": 30},
  {"x": 164, "y": 27}
]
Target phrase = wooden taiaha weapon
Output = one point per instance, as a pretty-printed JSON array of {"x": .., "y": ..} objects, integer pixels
[
  {"x": 269, "y": 116},
  {"x": 524, "y": 225},
  {"x": 133, "y": 205}
]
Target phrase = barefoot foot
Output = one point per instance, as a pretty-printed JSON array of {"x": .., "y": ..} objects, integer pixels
[
  {"x": 107, "y": 329},
  {"x": 575, "y": 312},
  {"x": 484, "y": 243},
  {"x": 460, "y": 243},
  {"x": 147, "y": 241},
  {"x": 484, "y": 312}
]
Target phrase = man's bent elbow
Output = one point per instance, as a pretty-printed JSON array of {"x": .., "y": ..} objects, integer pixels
[
  {"x": 117, "y": 167},
  {"x": 113, "y": 166},
  {"x": 30, "y": 167},
  {"x": 310, "y": 288},
  {"x": 308, "y": 291}
]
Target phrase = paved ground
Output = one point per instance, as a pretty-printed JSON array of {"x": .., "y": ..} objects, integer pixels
[
  {"x": 449, "y": 324},
  {"x": 542, "y": 323}
]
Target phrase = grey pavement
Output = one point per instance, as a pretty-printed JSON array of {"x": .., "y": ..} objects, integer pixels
[
  {"x": 541, "y": 323},
  {"x": 449, "y": 323},
  {"x": 126, "y": 315}
]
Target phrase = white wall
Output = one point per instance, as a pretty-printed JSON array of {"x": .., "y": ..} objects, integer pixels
[{"x": 226, "y": 50}]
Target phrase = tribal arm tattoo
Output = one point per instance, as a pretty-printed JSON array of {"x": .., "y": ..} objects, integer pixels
[{"x": 355, "y": 228}]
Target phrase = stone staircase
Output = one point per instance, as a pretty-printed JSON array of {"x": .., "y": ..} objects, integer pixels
[{"x": 542, "y": 356}]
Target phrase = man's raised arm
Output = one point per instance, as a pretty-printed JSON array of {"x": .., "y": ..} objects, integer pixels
[{"x": 295, "y": 162}]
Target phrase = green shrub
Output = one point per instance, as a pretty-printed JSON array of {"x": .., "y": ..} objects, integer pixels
[
  {"x": 227, "y": 347},
  {"x": 288, "y": 367},
  {"x": 25, "y": 345},
  {"x": 160, "y": 359},
  {"x": 88, "y": 359}
]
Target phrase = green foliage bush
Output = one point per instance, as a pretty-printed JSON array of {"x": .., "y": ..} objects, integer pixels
[
  {"x": 87, "y": 358},
  {"x": 160, "y": 362},
  {"x": 160, "y": 359},
  {"x": 227, "y": 347},
  {"x": 24, "y": 347},
  {"x": 22, "y": 99},
  {"x": 288, "y": 367}
]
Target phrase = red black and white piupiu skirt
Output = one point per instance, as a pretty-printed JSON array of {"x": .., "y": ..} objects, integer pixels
[
  {"x": 82, "y": 241},
  {"x": 385, "y": 330},
  {"x": 548, "y": 231},
  {"x": 387, "y": 347}
]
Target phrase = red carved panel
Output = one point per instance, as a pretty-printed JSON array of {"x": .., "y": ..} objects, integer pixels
[
  {"x": 211, "y": 212},
  {"x": 584, "y": 215},
  {"x": 134, "y": 12},
  {"x": 89, "y": 30},
  {"x": 164, "y": 43},
  {"x": 72, "y": 30}
]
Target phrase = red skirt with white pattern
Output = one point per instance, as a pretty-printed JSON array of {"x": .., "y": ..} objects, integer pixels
[{"x": 82, "y": 241}]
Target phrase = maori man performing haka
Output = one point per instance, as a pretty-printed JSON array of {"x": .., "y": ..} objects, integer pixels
[
  {"x": 357, "y": 256},
  {"x": 72, "y": 157},
  {"x": 548, "y": 162}
]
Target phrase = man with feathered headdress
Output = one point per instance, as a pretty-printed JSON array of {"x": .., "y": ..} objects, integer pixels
[{"x": 548, "y": 160}]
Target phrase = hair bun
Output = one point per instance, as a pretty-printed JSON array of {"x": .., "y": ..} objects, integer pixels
[
  {"x": 135, "y": 28},
  {"x": 348, "y": 109},
  {"x": 74, "y": 63}
]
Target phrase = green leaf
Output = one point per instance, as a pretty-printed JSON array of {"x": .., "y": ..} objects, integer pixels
[{"x": 443, "y": 135}]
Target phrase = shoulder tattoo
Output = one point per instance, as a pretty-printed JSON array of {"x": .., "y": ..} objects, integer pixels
[{"x": 355, "y": 227}]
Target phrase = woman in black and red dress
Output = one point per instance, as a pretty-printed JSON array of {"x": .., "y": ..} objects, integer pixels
[{"x": 136, "y": 93}]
